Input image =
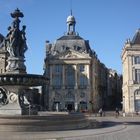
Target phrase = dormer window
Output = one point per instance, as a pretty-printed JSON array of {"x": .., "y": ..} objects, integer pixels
[
  {"x": 78, "y": 48},
  {"x": 63, "y": 47}
]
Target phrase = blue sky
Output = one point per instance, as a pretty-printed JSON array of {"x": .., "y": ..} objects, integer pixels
[{"x": 105, "y": 23}]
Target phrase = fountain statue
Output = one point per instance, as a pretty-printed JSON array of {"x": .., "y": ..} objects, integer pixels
[{"x": 15, "y": 43}]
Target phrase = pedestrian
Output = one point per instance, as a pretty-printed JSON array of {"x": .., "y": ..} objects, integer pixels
[
  {"x": 117, "y": 112},
  {"x": 101, "y": 112}
]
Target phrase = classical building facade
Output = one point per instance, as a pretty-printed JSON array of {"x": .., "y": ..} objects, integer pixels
[
  {"x": 3, "y": 55},
  {"x": 131, "y": 74},
  {"x": 78, "y": 80}
]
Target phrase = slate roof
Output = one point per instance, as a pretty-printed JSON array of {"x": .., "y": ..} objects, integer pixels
[
  {"x": 136, "y": 38},
  {"x": 73, "y": 42},
  {"x": 69, "y": 37}
]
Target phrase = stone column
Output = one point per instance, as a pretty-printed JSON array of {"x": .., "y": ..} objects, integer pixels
[
  {"x": 130, "y": 69},
  {"x": 88, "y": 75},
  {"x": 133, "y": 60},
  {"x": 63, "y": 76},
  {"x": 133, "y": 74},
  {"x": 51, "y": 73},
  {"x": 76, "y": 79}
]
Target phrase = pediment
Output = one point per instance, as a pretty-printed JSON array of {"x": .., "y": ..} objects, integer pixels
[{"x": 70, "y": 54}]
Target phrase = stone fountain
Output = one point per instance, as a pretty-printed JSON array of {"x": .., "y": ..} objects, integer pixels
[{"x": 16, "y": 94}]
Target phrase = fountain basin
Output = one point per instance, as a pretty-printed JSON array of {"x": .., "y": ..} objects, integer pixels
[{"x": 50, "y": 122}]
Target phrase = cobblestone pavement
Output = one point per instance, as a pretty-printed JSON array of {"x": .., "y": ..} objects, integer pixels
[{"x": 113, "y": 129}]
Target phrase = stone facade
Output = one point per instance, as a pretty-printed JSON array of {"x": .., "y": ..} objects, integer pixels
[
  {"x": 114, "y": 89},
  {"x": 131, "y": 74},
  {"x": 3, "y": 55},
  {"x": 78, "y": 80}
]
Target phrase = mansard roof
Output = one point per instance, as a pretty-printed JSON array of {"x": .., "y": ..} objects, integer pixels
[
  {"x": 69, "y": 37},
  {"x": 136, "y": 38},
  {"x": 73, "y": 42}
]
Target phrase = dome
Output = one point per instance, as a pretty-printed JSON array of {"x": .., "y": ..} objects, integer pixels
[{"x": 71, "y": 19}]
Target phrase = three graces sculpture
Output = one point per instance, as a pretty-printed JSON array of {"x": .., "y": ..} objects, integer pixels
[{"x": 15, "y": 43}]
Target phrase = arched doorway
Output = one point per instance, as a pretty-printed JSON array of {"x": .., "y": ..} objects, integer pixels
[{"x": 69, "y": 106}]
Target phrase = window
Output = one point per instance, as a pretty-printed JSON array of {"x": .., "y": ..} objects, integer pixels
[
  {"x": 57, "y": 76},
  {"x": 137, "y": 59},
  {"x": 70, "y": 76},
  {"x": 81, "y": 68},
  {"x": 82, "y": 94},
  {"x": 137, "y": 92},
  {"x": 83, "y": 80},
  {"x": 57, "y": 68},
  {"x": 137, "y": 75},
  {"x": 63, "y": 48}
]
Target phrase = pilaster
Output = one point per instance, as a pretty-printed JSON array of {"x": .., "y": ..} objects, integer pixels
[
  {"x": 63, "y": 77},
  {"x": 76, "y": 79}
]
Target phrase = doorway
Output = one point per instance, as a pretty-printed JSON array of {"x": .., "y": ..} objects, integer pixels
[{"x": 69, "y": 106}]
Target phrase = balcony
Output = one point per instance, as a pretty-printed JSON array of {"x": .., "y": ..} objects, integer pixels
[{"x": 70, "y": 86}]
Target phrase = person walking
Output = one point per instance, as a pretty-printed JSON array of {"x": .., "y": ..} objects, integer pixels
[
  {"x": 101, "y": 112},
  {"x": 117, "y": 112}
]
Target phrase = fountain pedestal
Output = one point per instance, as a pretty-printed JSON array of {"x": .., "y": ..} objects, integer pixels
[{"x": 15, "y": 65}]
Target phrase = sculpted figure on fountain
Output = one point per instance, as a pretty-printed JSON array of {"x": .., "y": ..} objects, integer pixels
[
  {"x": 15, "y": 40},
  {"x": 15, "y": 43}
]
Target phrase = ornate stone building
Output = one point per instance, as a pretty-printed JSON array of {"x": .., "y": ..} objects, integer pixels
[
  {"x": 3, "y": 55},
  {"x": 131, "y": 74},
  {"x": 114, "y": 89},
  {"x": 78, "y": 80}
]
